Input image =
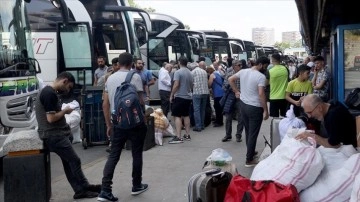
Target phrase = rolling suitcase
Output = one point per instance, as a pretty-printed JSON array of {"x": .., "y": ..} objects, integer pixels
[
  {"x": 274, "y": 133},
  {"x": 226, "y": 167},
  {"x": 209, "y": 186}
]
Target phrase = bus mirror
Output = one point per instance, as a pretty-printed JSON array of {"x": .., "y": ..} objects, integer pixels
[
  {"x": 60, "y": 4},
  {"x": 37, "y": 67},
  {"x": 56, "y": 3}
]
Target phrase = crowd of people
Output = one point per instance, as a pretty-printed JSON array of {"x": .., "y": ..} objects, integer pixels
[{"x": 238, "y": 91}]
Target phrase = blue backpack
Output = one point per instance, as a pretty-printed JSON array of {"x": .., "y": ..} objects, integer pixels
[{"x": 128, "y": 112}]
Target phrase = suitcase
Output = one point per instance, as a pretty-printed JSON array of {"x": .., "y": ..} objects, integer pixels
[
  {"x": 274, "y": 133},
  {"x": 209, "y": 186},
  {"x": 149, "y": 141}
]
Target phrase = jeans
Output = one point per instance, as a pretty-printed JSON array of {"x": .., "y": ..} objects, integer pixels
[
  {"x": 199, "y": 105},
  {"x": 252, "y": 117},
  {"x": 119, "y": 138},
  {"x": 165, "y": 101},
  {"x": 218, "y": 111},
  {"x": 240, "y": 122},
  {"x": 61, "y": 145}
]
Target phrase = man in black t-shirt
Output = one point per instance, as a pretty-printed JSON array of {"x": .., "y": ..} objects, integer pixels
[
  {"x": 55, "y": 132},
  {"x": 339, "y": 124}
]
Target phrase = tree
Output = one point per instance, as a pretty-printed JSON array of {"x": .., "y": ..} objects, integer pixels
[
  {"x": 133, "y": 4},
  {"x": 187, "y": 27},
  {"x": 282, "y": 46}
]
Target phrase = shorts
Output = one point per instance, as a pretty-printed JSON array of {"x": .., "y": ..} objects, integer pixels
[
  {"x": 180, "y": 107},
  {"x": 278, "y": 106}
]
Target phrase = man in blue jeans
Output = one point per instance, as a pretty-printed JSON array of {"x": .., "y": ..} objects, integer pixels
[
  {"x": 55, "y": 132},
  {"x": 200, "y": 94},
  {"x": 120, "y": 136}
]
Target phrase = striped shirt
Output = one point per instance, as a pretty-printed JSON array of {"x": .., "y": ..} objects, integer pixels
[{"x": 200, "y": 81}]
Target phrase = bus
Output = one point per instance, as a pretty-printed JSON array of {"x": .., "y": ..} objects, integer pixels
[
  {"x": 168, "y": 41},
  {"x": 251, "y": 50},
  {"x": 112, "y": 27},
  {"x": 220, "y": 46},
  {"x": 18, "y": 68}
]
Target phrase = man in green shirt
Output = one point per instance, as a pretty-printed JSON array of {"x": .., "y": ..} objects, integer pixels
[{"x": 278, "y": 79}]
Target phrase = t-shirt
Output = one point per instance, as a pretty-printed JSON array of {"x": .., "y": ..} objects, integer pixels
[
  {"x": 298, "y": 89},
  {"x": 250, "y": 80},
  {"x": 340, "y": 125},
  {"x": 48, "y": 102},
  {"x": 278, "y": 79},
  {"x": 115, "y": 81},
  {"x": 100, "y": 72},
  {"x": 183, "y": 75}
]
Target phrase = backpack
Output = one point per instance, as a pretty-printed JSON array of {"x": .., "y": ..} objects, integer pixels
[
  {"x": 128, "y": 112},
  {"x": 353, "y": 99}
]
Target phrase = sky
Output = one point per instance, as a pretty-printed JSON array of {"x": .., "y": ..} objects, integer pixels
[{"x": 237, "y": 17}]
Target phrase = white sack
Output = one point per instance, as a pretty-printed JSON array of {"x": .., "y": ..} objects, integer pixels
[
  {"x": 334, "y": 185},
  {"x": 292, "y": 162},
  {"x": 289, "y": 122}
]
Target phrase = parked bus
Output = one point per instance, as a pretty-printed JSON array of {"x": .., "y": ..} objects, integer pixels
[
  {"x": 112, "y": 28},
  {"x": 168, "y": 41},
  {"x": 18, "y": 68},
  {"x": 251, "y": 50}
]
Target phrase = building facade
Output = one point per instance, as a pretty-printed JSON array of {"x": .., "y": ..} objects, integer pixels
[
  {"x": 263, "y": 36},
  {"x": 291, "y": 37}
]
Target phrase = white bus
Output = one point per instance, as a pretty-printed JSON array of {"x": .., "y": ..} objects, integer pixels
[
  {"x": 18, "y": 68},
  {"x": 168, "y": 41},
  {"x": 111, "y": 23}
]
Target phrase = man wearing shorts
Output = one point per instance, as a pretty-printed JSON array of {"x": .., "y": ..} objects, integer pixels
[{"x": 180, "y": 98}]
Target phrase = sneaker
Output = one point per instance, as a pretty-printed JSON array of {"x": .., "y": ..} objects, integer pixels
[
  {"x": 106, "y": 196},
  {"x": 252, "y": 163},
  {"x": 85, "y": 194},
  {"x": 140, "y": 189},
  {"x": 94, "y": 188},
  {"x": 187, "y": 137},
  {"x": 176, "y": 140}
]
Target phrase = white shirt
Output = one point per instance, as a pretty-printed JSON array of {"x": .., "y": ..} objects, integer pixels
[{"x": 164, "y": 80}]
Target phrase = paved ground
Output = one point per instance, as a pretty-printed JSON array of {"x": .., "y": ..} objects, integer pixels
[{"x": 166, "y": 169}]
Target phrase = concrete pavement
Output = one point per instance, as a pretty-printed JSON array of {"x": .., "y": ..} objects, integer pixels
[{"x": 167, "y": 169}]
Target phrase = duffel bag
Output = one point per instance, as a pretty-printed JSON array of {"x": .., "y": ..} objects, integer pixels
[{"x": 242, "y": 189}]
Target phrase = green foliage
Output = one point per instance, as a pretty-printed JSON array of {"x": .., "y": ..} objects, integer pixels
[
  {"x": 133, "y": 4},
  {"x": 187, "y": 27}
]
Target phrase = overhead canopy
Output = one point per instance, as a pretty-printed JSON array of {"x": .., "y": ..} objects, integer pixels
[{"x": 319, "y": 18}]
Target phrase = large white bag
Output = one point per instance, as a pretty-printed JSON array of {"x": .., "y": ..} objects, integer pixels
[
  {"x": 292, "y": 162},
  {"x": 355, "y": 193},
  {"x": 291, "y": 121},
  {"x": 335, "y": 185}
]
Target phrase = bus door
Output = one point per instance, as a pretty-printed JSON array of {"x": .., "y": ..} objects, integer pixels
[
  {"x": 75, "y": 52},
  {"x": 237, "y": 51}
]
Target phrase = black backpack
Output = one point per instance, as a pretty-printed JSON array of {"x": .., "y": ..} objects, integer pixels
[
  {"x": 128, "y": 112},
  {"x": 353, "y": 99}
]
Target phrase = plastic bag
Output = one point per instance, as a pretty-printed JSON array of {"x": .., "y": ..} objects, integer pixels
[{"x": 219, "y": 157}]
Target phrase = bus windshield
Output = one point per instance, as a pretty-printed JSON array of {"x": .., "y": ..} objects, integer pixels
[{"x": 15, "y": 41}]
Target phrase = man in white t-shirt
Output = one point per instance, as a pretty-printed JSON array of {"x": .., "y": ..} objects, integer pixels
[{"x": 252, "y": 103}]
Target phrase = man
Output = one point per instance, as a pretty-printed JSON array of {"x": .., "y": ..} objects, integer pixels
[
  {"x": 100, "y": 71},
  {"x": 252, "y": 103},
  {"x": 120, "y": 136},
  {"x": 298, "y": 88},
  {"x": 278, "y": 77},
  {"x": 235, "y": 107},
  {"x": 146, "y": 78},
  {"x": 339, "y": 125},
  {"x": 164, "y": 85},
  {"x": 321, "y": 79},
  {"x": 180, "y": 99},
  {"x": 200, "y": 95},
  {"x": 55, "y": 133}
]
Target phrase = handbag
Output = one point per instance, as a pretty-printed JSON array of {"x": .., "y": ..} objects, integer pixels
[{"x": 242, "y": 189}]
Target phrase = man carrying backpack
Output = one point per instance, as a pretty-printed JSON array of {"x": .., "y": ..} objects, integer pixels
[{"x": 121, "y": 132}]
